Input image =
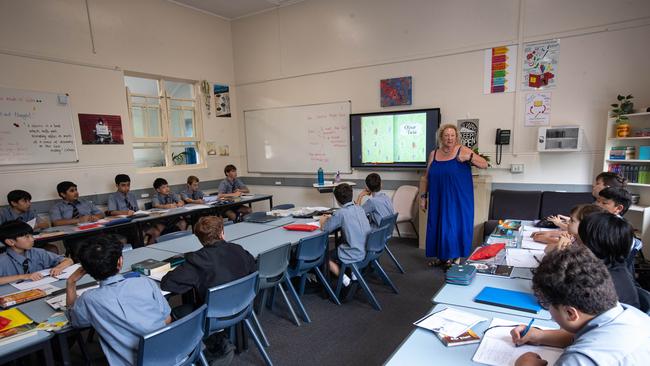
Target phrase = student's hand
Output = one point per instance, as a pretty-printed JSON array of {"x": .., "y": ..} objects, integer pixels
[
  {"x": 541, "y": 236},
  {"x": 32, "y": 276},
  {"x": 564, "y": 241},
  {"x": 558, "y": 220},
  {"x": 237, "y": 193},
  {"x": 84, "y": 218},
  {"x": 130, "y": 213},
  {"x": 530, "y": 359},
  {"x": 56, "y": 271},
  {"x": 180, "y": 204},
  {"x": 76, "y": 276},
  {"x": 532, "y": 337},
  {"x": 95, "y": 217},
  {"x": 322, "y": 220}
]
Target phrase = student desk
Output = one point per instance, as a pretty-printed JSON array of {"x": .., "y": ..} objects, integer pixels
[
  {"x": 464, "y": 295},
  {"x": 140, "y": 254},
  {"x": 39, "y": 341},
  {"x": 271, "y": 239},
  {"x": 423, "y": 347}
]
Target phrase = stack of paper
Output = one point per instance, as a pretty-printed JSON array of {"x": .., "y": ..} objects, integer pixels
[
  {"x": 58, "y": 302},
  {"x": 527, "y": 258},
  {"x": 451, "y": 322}
]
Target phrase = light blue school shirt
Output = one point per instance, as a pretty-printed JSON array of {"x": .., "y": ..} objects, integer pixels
[
  {"x": 9, "y": 214},
  {"x": 63, "y": 209},
  {"x": 117, "y": 201},
  {"x": 121, "y": 310},
  {"x": 195, "y": 195},
  {"x": 620, "y": 336},
  {"x": 11, "y": 263},
  {"x": 378, "y": 206},
  {"x": 352, "y": 219},
  {"x": 226, "y": 186},
  {"x": 164, "y": 199}
]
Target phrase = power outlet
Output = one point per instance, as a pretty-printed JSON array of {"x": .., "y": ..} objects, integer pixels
[
  {"x": 144, "y": 195},
  {"x": 516, "y": 168},
  {"x": 277, "y": 183}
]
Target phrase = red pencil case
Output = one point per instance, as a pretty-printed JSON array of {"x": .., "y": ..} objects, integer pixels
[
  {"x": 487, "y": 251},
  {"x": 300, "y": 227}
]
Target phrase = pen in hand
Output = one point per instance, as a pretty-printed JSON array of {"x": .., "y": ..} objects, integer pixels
[{"x": 530, "y": 324}]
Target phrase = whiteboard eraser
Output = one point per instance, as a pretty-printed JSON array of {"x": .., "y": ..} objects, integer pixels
[
  {"x": 278, "y": 183},
  {"x": 144, "y": 195}
]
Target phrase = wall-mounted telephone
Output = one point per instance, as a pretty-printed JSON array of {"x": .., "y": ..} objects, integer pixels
[{"x": 503, "y": 138}]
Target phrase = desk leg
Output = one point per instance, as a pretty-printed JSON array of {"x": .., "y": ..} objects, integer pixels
[
  {"x": 270, "y": 203},
  {"x": 47, "y": 352},
  {"x": 64, "y": 348}
]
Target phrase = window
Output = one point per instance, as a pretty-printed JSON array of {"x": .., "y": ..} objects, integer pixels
[{"x": 165, "y": 122}]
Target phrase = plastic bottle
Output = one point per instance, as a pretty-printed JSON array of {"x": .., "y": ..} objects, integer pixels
[
  {"x": 337, "y": 178},
  {"x": 321, "y": 177}
]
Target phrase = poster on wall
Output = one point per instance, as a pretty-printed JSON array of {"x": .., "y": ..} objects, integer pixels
[
  {"x": 211, "y": 147},
  {"x": 500, "y": 70},
  {"x": 221, "y": 100},
  {"x": 538, "y": 109},
  {"x": 468, "y": 129},
  {"x": 540, "y": 64},
  {"x": 396, "y": 91},
  {"x": 100, "y": 129}
]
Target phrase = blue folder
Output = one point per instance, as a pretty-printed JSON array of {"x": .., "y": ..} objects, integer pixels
[{"x": 517, "y": 300}]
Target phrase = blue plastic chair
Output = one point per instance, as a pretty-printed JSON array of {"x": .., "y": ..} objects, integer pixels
[
  {"x": 310, "y": 255},
  {"x": 390, "y": 222},
  {"x": 174, "y": 235},
  {"x": 272, "y": 266},
  {"x": 232, "y": 303},
  {"x": 177, "y": 344},
  {"x": 375, "y": 245},
  {"x": 285, "y": 206}
]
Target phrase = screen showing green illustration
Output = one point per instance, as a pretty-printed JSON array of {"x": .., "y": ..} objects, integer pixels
[{"x": 394, "y": 138}]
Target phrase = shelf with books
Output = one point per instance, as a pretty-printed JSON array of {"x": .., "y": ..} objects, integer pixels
[{"x": 623, "y": 161}]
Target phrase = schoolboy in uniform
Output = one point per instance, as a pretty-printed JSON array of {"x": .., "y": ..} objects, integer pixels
[
  {"x": 122, "y": 202},
  {"x": 378, "y": 205},
  {"x": 595, "y": 328},
  {"x": 71, "y": 210},
  {"x": 192, "y": 194},
  {"x": 352, "y": 219},
  {"x": 20, "y": 208},
  {"x": 233, "y": 187},
  {"x": 164, "y": 197},
  {"x": 22, "y": 261},
  {"x": 615, "y": 200},
  {"x": 121, "y": 310}
]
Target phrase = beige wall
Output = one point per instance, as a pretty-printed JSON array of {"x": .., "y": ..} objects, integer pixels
[{"x": 44, "y": 44}]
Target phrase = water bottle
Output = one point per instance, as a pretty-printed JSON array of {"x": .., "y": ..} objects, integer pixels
[
  {"x": 321, "y": 177},
  {"x": 337, "y": 178}
]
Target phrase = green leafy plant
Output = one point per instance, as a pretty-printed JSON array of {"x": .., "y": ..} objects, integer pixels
[
  {"x": 623, "y": 107},
  {"x": 179, "y": 159},
  {"x": 486, "y": 157}
]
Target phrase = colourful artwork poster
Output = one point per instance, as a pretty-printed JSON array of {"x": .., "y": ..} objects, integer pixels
[
  {"x": 500, "y": 70},
  {"x": 100, "y": 129},
  {"x": 538, "y": 109},
  {"x": 396, "y": 91},
  {"x": 221, "y": 100},
  {"x": 540, "y": 64}
]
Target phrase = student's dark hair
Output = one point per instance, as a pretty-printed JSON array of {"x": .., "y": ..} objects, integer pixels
[
  {"x": 159, "y": 182},
  {"x": 575, "y": 277},
  {"x": 608, "y": 236},
  {"x": 14, "y": 229},
  {"x": 17, "y": 195},
  {"x": 373, "y": 182},
  {"x": 619, "y": 195},
  {"x": 63, "y": 187},
  {"x": 99, "y": 256},
  {"x": 612, "y": 179},
  {"x": 584, "y": 210},
  {"x": 191, "y": 179},
  {"x": 343, "y": 193},
  {"x": 122, "y": 178},
  {"x": 229, "y": 168}
]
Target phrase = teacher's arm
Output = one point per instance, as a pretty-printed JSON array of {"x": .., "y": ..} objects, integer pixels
[
  {"x": 424, "y": 184},
  {"x": 466, "y": 154}
]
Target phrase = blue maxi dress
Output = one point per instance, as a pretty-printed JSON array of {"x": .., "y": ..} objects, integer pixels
[{"x": 450, "y": 222}]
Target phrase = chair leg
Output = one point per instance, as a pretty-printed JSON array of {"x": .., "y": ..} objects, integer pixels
[
  {"x": 271, "y": 300},
  {"x": 392, "y": 257},
  {"x": 286, "y": 300},
  {"x": 265, "y": 340},
  {"x": 258, "y": 343},
  {"x": 397, "y": 228},
  {"x": 303, "y": 282},
  {"x": 339, "y": 283},
  {"x": 202, "y": 359},
  {"x": 366, "y": 289},
  {"x": 328, "y": 288},
  {"x": 384, "y": 276},
  {"x": 414, "y": 229},
  {"x": 296, "y": 298}
]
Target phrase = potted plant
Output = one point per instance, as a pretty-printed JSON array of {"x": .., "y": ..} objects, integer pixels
[{"x": 619, "y": 111}]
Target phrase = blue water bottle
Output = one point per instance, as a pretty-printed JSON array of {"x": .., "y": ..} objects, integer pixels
[{"x": 321, "y": 177}]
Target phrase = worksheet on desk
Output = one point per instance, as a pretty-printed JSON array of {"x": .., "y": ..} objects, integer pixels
[
  {"x": 526, "y": 258},
  {"x": 497, "y": 348}
]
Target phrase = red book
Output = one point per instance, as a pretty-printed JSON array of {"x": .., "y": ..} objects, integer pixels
[{"x": 300, "y": 227}]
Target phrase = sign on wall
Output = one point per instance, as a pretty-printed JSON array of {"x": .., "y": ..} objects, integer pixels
[{"x": 468, "y": 129}]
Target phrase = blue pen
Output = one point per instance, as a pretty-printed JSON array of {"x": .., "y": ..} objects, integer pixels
[{"x": 523, "y": 334}]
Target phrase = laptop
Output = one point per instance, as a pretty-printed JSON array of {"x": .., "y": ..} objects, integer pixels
[{"x": 261, "y": 219}]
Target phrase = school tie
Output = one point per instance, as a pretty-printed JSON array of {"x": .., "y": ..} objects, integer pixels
[
  {"x": 75, "y": 210},
  {"x": 194, "y": 195},
  {"x": 129, "y": 205},
  {"x": 26, "y": 266}
]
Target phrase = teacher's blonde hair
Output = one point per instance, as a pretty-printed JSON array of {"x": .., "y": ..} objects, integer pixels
[{"x": 442, "y": 129}]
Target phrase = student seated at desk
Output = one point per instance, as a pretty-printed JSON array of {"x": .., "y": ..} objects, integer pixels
[
  {"x": 122, "y": 202},
  {"x": 233, "y": 187},
  {"x": 352, "y": 219},
  {"x": 578, "y": 213},
  {"x": 71, "y": 210},
  {"x": 596, "y": 329},
  {"x": 378, "y": 205},
  {"x": 22, "y": 261},
  {"x": 164, "y": 197},
  {"x": 20, "y": 208},
  {"x": 120, "y": 309},
  {"x": 192, "y": 194}
]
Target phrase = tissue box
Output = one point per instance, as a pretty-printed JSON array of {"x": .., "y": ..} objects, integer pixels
[{"x": 644, "y": 152}]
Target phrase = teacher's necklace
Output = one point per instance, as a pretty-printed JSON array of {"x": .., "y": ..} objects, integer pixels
[{"x": 446, "y": 150}]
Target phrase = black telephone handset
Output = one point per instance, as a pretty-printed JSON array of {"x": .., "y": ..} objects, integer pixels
[{"x": 503, "y": 137}]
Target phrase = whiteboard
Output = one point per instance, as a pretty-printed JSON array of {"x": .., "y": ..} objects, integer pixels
[
  {"x": 35, "y": 127},
  {"x": 298, "y": 139}
]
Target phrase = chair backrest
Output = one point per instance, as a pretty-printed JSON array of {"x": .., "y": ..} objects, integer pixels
[
  {"x": 644, "y": 299},
  {"x": 311, "y": 249},
  {"x": 174, "y": 235},
  {"x": 389, "y": 222},
  {"x": 148, "y": 205},
  {"x": 507, "y": 204},
  {"x": 554, "y": 203},
  {"x": 376, "y": 240},
  {"x": 285, "y": 206},
  {"x": 272, "y": 265},
  {"x": 178, "y": 343},
  {"x": 404, "y": 201},
  {"x": 229, "y": 303}
]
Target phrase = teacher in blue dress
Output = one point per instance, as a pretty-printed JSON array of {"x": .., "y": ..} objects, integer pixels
[{"x": 447, "y": 187}]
